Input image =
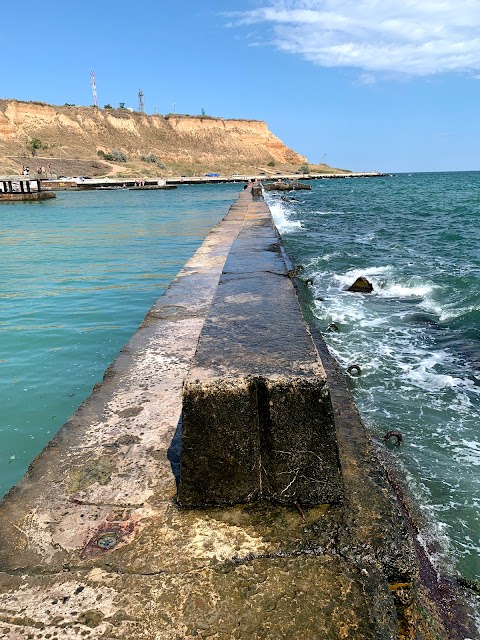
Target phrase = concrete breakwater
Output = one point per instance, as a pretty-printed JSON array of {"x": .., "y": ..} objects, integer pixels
[
  {"x": 89, "y": 184},
  {"x": 15, "y": 188},
  {"x": 94, "y": 543}
]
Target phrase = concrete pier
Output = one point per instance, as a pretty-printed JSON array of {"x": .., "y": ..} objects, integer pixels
[
  {"x": 22, "y": 188},
  {"x": 95, "y": 544},
  {"x": 89, "y": 184},
  {"x": 257, "y": 415}
]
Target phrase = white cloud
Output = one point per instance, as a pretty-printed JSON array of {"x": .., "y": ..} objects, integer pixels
[
  {"x": 421, "y": 37},
  {"x": 366, "y": 78}
]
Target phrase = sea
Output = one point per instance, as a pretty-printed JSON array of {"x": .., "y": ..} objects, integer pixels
[
  {"x": 80, "y": 272},
  {"x": 78, "y": 275},
  {"x": 415, "y": 337}
]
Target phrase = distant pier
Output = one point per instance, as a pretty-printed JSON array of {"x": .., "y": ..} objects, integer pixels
[
  {"x": 13, "y": 188},
  {"x": 88, "y": 184}
]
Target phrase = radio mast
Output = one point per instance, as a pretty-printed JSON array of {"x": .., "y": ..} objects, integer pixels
[
  {"x": 94, "y": 88},
  {"x": 141, "y": 101}
]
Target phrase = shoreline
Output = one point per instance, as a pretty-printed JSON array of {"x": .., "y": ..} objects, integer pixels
[{"x": 97, "y": 183}]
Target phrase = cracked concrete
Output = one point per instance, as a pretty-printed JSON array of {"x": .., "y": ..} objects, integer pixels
[{"x": 94, "y": 544}]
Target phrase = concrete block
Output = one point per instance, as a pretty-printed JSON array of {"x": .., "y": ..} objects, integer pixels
[
  {"x": 298, "y": 443},
  {"x": 257, "y": 414},
  {"x": 220, "y": 443}
]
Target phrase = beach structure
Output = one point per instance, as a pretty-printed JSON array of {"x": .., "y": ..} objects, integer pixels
[
  {"x": 88, "y": 184},
  {"x": 219, "y": 481},
  {"x": 23, "y": 188}
]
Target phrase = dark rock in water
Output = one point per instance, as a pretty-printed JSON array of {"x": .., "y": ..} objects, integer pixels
[
  {"x": 473, "y": 585},
  {"x": 286, "y": 186},
  {"x": 361, "y": 285}
]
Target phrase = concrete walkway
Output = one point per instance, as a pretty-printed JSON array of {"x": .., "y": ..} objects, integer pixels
[{"x": 94, "y": 544}]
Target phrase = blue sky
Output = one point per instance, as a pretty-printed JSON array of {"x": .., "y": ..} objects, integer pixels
[{"x": 390, "y": 85}]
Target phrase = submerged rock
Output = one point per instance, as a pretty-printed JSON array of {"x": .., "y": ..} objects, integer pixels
[
  {"x": 361, "y": 285},
  {"x": 333, "y": 327}
]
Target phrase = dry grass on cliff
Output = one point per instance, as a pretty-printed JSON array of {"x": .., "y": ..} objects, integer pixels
[{"x": 71, "y": 137}]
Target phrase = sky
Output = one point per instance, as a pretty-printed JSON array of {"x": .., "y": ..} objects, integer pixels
[{"x": 366, "y": 85}]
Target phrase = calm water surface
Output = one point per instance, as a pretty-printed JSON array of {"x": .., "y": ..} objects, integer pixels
[{"x": 78, "y": 274}]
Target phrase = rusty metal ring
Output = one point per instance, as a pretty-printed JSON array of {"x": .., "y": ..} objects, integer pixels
[
  {"x": 394, "y": 434},
  {"x": 354, "y": 370}
]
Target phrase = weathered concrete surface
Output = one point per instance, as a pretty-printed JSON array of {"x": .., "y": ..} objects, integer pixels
[
  {"x": 95, "y": 546},
  {"x": 13, "y": 197},
  {"x": 257, "y": 416}
]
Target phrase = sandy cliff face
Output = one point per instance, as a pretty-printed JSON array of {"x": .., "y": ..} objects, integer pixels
[{"x": 78, "y": 133}]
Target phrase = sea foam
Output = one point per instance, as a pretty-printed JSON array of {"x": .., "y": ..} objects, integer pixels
[{"x": 281, "y": 216}]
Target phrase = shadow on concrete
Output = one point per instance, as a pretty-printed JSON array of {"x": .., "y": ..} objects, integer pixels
[{"x": 175, "y": 451}]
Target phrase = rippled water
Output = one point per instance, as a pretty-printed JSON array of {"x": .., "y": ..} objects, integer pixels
[
  {"x": 417, "y": 336},
  {"x": 79, "y": 274}
]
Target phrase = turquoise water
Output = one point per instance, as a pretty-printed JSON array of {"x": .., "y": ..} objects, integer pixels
[
  {"x": 79, "y": 274},
  {"x": 416, "y": 337}
]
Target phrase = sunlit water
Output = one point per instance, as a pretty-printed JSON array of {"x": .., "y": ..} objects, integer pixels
[
  {"x": 78, "y": 274},
  {"x": 416, "y": 337}
]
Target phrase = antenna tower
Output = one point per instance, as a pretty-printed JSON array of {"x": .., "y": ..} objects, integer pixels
[
  {"x": 94, "y": 88},
  {"x": 141, "y": 101}
]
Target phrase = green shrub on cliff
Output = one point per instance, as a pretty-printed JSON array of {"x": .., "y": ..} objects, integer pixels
[
  {"x": 34, "y": 144},
  {"x": 116, "y": 155},
  {"x": 153, "y": 158}
]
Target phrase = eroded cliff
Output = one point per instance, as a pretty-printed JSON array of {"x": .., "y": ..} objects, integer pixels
[{"x": 72, "y": 138}]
